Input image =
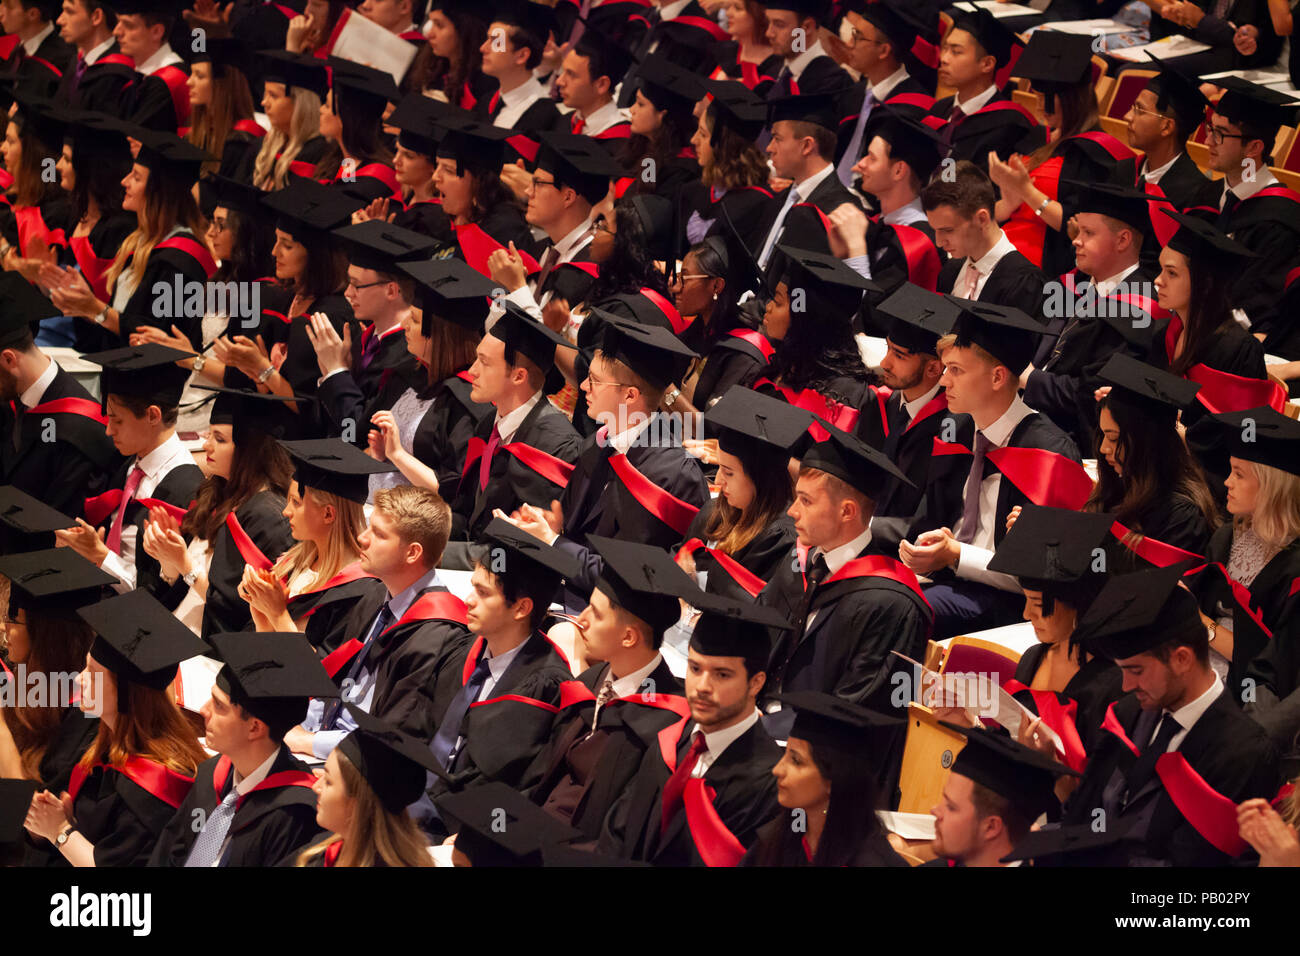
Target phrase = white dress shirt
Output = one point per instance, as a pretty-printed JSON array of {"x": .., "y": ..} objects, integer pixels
[
  {"x": 1188, "y": 714},
  {"x": 800, "y": 63},
  {"x": 515, "y": 103},
  {"x": 242, "y": 787},
  {"x": 156, "y": 465},
  {"x": 165, "y": 56},
  {"x": 985, "y": 264},
  {"x": 975, "y": 103},
  {"x": 1105, "y": 287},
  {"x": 36, "y": 391},
  {"x": 96, "y": 52},
  {"x": 917, "y": 404},
  {"x": 718, "y": 741},
  {"x": 835, "y": 559},
  {"x": 497, "y": 667},
  {"x": 906, "y": 215},
  {"x": 882, "y": 89},
  {"x": 602, "y": 119},
  {"x": 1155, "y": 175},
  {"x": 801, "y": 190},
  {"x": 631, "y": 684},
  {"x": 566, "y": 250},
  {"x": 1246, "y": 188},
  {"x": 33, "y": 44},
  {"x": 509, "y": 423}
]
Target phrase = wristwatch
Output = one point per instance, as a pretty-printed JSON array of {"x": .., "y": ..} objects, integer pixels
[
  {"x": 199, "y": 361},
  {"x": 266, "y": 373},
  {"x": 102, "y": 317},
  {"x": 1041, "y": 206},
  {"x": 67, "y": 831},
  {"x": 190, "y": 577},
  {"x": 671, "y": 397},
  {"x": 1212, "y": 628}
]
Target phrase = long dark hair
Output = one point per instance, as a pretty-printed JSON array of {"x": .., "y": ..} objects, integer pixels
[
  {"x": 250, "y": 257},
  {"x": 815, "y": 352},
  {"x": 1078, "y": 115},
  {"x": 487, "y": 193},
  {"x": 662, "y": 146},
  {"x": 441, "y": 73},
  {"x": 58, "y": 646},
  {"x": 259, "y": 462},
  {"x": 1208, "y": 310},
  {"x": 630, "y": 266},
  {"x": 326, "y": 272},
  {"x": 97, "y": 175},
  {"x": 451, "y": 348},
  {"x": 361, "y": 137},
  {"x": 31, "y": 188},
  {"x": 1156, "y": 465}
]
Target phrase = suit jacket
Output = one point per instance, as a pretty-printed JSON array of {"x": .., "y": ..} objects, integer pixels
[{"x": 803, "y": 227}]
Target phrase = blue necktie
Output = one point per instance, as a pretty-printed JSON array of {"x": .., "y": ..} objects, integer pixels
[
  {"x": 791, "y": 197},
  {"x": 213, "y": 835},
  {"x": 852, "y": 154},
  {"x": 446, "y": 744},
  {"x": 382, "y": 621}
]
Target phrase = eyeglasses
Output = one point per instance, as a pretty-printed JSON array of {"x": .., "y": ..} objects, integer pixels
[
  {"x": 1140, "y": 109},
  {"x": 538, "y": 183},
  {"x": 597, "y": 383},
  {"x": 681, "y": 278},
  {"x": 221, "y": 225},
  {"x": 1218, "y": 135},
  {"x": 352, "y": 284}
]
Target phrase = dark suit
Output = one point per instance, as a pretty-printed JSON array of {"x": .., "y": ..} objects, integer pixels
[{"x": 803, "y": 227}]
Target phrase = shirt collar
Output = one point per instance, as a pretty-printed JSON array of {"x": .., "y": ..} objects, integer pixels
[
  {"x": 1108, "y": 285},
  {"x": 986, "y": 263},
  {"x": 800, "y": 63},
  {"x": 1188, "y": 714},
  {"x": 34, "y": 44},
  {"x": 164, "y": 57},
  {"x": 401, "y": 602},
  {"x": 98, "y": 51},
  {"x": 625, "y": 439},
  {"x": 245, "y": 784},
  {"x": 670, "y": 11},
  {"x": 509, "y": 423},
  {"x": 906, "y": 215},
  {"x": 153, "y": 462},
  {"x": 999, "y": 433},
  {"x": 1246, "y": 188},
  {"x": 602, "y": 119},
  {"x": 1153, "y": 175},
  {"x": 571, "y": 242},
  {"x": 718, "y": 741},
  {"x": 836, "y": 558},
  {"x": 881, "y": 90},
  {"x": 805, "y": 188},
  {"x": 32, "y": 397},
  {"x": 498, "y": 664},
  {"x": 915, "y": 406},
  {"x": 975, "y": 103},
  {"x": 624, "y": 686},
  {"x": 530, "y": 89}
]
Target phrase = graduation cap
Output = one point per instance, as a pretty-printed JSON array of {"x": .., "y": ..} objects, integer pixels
[
  {"x": 644, "y": 581},
  {"x": 231, "y": 194},
  {"x": 528, "y": 559},
  {"x": 295, "y": 71},
  {"x": 29, "y": 517},
  {"x": 99, "y": 136},
  {"x": 224, "y": 53},
  {"x": 1025, "y": 777},
  {"x": 820, "y": 109},
  {"x": 146, "y": 372},
  {"x": 1076, "y": 845},
  {"x": 728, "y": 628},
  {"x": 43, "y": 116},
  {"x": 1053, "y": 62},
  {"x": 831, "y": 287},
  {"x": 1178, "y": 93},
  {"x": 650, "y": 351},
  {"x": 272, "y": 676},
  {"x": 819, "y": 10},
  {"x": 335, "y": 467},
  {"x": 668, "y": 86},
  {"x": 1264, "y": 436},
  {"x": 1138, "y": 611},
  {"x": 418, "y": 119},
  {"x": 153, "y": 8},
  {"x": 21, "y": 309},
  {"x": 536, "y": 18},
  {"x": 452, "y": 290},
  {"x": 853, "y": 461},
  {"x": 496, "y": 825},
  {"x": 735, "y": 107},
  {"x": 617, "y": 61},
  {"x": 1200, "y": 241},
  {"x": 1156, "y": 392},
  {"x": 360, "y": 89},
  {"x": 1006, "y": 333},
  {"x": 897, "y": 23},
  {"x": 752, "y": 426},
  {"x": 308, "y": 210},
  {"x": 578, "y": 162},
  {"x": 918, "y": 318},
  {"x": 379, "y": 245},
  {"x": 15, "y": 801},
  {"x": 1053, "y": 550},
  {"x": 139, "y": 639},
  {"x": 826, "y": 720},
  {"x": 524, "y": 335},
  {"x": 909, "y": 141},
  {"x": 1262, "y": 107},
  {"x": 659, "y": 224},
  {"x": 995, "y": 39},
  {"x": 395, "y": 764},
  {"x": 1126, "y": 203},
  {"x": 250, "y": 412},
  {"x": 475, "y": 146},
  {"x": 166, "y": 154},
  {"x": 55, "y": 581}
]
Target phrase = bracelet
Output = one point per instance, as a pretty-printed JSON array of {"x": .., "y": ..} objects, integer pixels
[
  {"x": 266, "y": 373},
  {"x": 671, "y": 397},
  {"x": 190, "y": 577},
  {"x": 1043, "y": 205}
]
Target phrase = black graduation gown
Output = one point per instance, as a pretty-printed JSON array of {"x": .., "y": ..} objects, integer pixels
[
  {"x": 323, "y": 611},
  {"x": 821, "y": 75},
  {"x": 426, "y": 217},
  {"x": 1175, "y": 519},
  {"x": 776, "y": 836},
  {"x": 511, "y": 482},
  {"x": 355, "y": 395},
  {"x": 103, "y": 86},
  {"x": 123, "y": 819},
  {"x": 165, "y": 264},
  {"x": 442, "y": 437},
  {"x": 505, "y": 733},
  {"x": 759, "y": 77},
  {"x": 770, "y": 548},
  {"x": 1014, "y": 282},
  {"x": 1185, "y": 185},
  {"x": 75, "y": 734},
  {"x": 596, "y": 501},
  {"x": 160, "y": 101},
  {"x": 583, "y": 772},
  {"x": 262, "y": 519},
  {"x": 93, "y": 254},
  {"x": 851, "y": 108},
  {"x": 744, "y": 799},
  {"x": 746, "y": 206},
  {"x": 64, "y": 472},
  {"x": 239, "y": 154},
  {"x": 1088, "y": 161},
  {"x": 272, "y": 820},
  {"x": 1096, "y": 685},
  {"x": 1270, "y": 227},
  {"x": 1228, "y": 750},
  {"x": 737, "y": 358},
  {"x": 803, "y": 228},
  {"x": 996, "y": 127}
]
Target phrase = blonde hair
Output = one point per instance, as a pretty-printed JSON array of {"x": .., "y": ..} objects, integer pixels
[
  {"x": 839, "y": 489},
  {"x": 374, "y": 835},
  {"x": 342, "y": 547},
  {"x": 418, "y": 515},
  {"x": 270, "y": 172},
  {"x": 1276, "y": 518},
  {"x": 168, "y": 203}
]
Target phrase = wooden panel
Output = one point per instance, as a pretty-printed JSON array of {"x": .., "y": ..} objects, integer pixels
[{"x": 927, "y": 759}]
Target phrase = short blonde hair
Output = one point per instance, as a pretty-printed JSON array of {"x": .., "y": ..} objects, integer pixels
[
  {"x": 840, "y": 489},
  {"x": 1276, "y": 518},
  {"x": 949, "y": 341},
  {"x": 418, "y": 515}
]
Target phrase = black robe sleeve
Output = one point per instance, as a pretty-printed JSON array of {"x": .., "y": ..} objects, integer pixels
[{"x": 262, "y": 519}]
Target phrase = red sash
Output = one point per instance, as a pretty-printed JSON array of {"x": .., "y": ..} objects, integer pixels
[
  {"x": 92, "y": 267},
  {"x": 1163, "y": 225},
  {"x": 300, "y": 167},
  {"x": 177, "y": 82},
  {"x": 841, "y": 416},
  {"x": 1240, "y": 594},
  {"x": 921, "y": 255},
  {"x": 1276, "y": 192},
  {"x": 933, "y": 407},
  {"x": 1042, "y": 476},
  {"x": 70, "y": 406},
  {"x": 101, "y": 506},
  {"x": 1112, "y": 725},
  {"x": 617, "y": 131},
  {"x": 476, "y": 245},
  {"x": 167, "y": 785},
  {"x": 333, "y": 850},
  {"x": 918, "y": 100},
  {"x": 467, "y": 98},
  {"x": 716, "y": 844},
  {"x": 554, "y": 470},
  {"x": 249, "y": 551},
  {"x": 333, "y": 38},
  {"x": 525, "y": 147},
  {"x": 926, "y": 52},
  {"x": 349, "y": 574},
  {"x": 747, "y": 579},
  {"x": 756, "y": 339},
  {"x": 1210, "y": 813},
  {"x": 433, "y": 606},
  {"x": 1149, "y": 549},
  {"x": 703, "y": 23},
  {"x": 285, "y": 778},
  {"x": 679, "y": 324},
  {"x": 1060, "y": 718},
  {"x": 117, "y": 59},
  {"x": 672, "y": 511},
  {"x": 1117, "y": 150},
  {"x": 31, "y": 224},
  {"x": 1224, "y": 392},
  {"x": 191, "y": 247},
  {"x": 8, "y": 44},
  {"x": 1004, "y": 105},
  {"x": 879, "y": 566}
]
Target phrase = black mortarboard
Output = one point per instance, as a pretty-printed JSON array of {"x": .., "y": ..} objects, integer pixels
[
  {"x": 1125, "y": 203},
  {"x": 418, "y": 119},
  {"x": 817, "y": 9},
  {"x": 736, "y": 107},
  {"x": 156, "y": 8},
  {"x": 496, "y": 825},
  {"x": 139, "y": 639},
  {"x": 667, "y": 85},
  {"x": 997, "y": 40},
  {"x": 360, "y": 89},
  {"x": 247, "y": 412},
  {"x": 823, "y": 719},
  {"x": 21, "y": 308},
  {"x": 1025, "y": 777},
  {"x": 239, "y": 197},
  {"x": 1054, "y": 550},
  {"x": 643, "y": 580},
  {"x": 820, "y": 109},
  {"x": 1006, "y": 333},
  {"x": 540, "y": 567},
  {"x": 909, "y": 141},
  {"x": 47, "y": 121},
  {"x": 334, "y": 466},
  {"x": 295, "y": 71},
  {"x": 658, "y": 218},
  {"x": 1078, "y": 845},
  {"x": 899, "y": 24},
  {"x": 578, "y": 162},
  {"x": 1262, "y": 107},
  {"x": 1053, "y": 61},
  {"x": 142, "y": 371},
  {"x": 475, "y": 146},
  {"x": 727, "y": 628},
  {"x": 271, "y": 675},
  {"x": 537, "y": 18},
  {"x": 650, "y": 351},
  {"x": 754, "y": 427},
  {"x": 55, "y": 581},
  {"x": 918, "y": 318},
  {"x": 1180, "y": 94},
  {"x": 99, "y": 136},
  {"x": 452, "y": 290},
  {"x": 1138, "y": 611},
  {"x": 1201, "y": 241},
  {"x": 617, "y": 61},
  {"x": 379, "y": 245},
  {"x": 831, "y": 288},
  {"x": 15, "y": 801},
  {"x": 1154, "y": 391},
  {"x": 29, "y": 517},
  {"x": 223, "y": 53},
  {"x": 524, "y": 335},
  {"x": 395, "y": 764},
  {"x": 1264, "y": 436},
  {"x": 308, "y": 210},
  {"x": 169, "y": 155},
  {"x": 853, "y": 461}
]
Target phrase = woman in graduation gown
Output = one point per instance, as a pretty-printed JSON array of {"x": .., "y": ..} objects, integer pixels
[
  {"x": 427, "y": 432},
  {"x": 370, "y": 779},
  {"x": 740, "y": 537},
  {"x": 825, "y": 773},
  {"x": 662, "y": 122},
  {"x": 221, "y": 108},
  {"x": 414, "y": 162},
  {"x": 456, "y": 29},
  {"x": 1146, "y": 478},
  {"x": 142, "y": 762},
  {"x": 32, "y": 224},
  {"x": 44, "y": 635},
  {"x": 747, "y": 57},
  {"x": 314, "y": 584},
  {"x": 733, "y": 171},
  {"x": 351, "y": 119},
  {"x": 292, "y": 89},
  {"x": 467, "y": 176},
  {"x": 236, "y": 518}
]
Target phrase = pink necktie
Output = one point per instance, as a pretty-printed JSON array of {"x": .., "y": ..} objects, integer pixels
[
  {"x": 485, "y": 463},
  {"x": 114, "y": 541},
  {"x": 972, "y": 280}
]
